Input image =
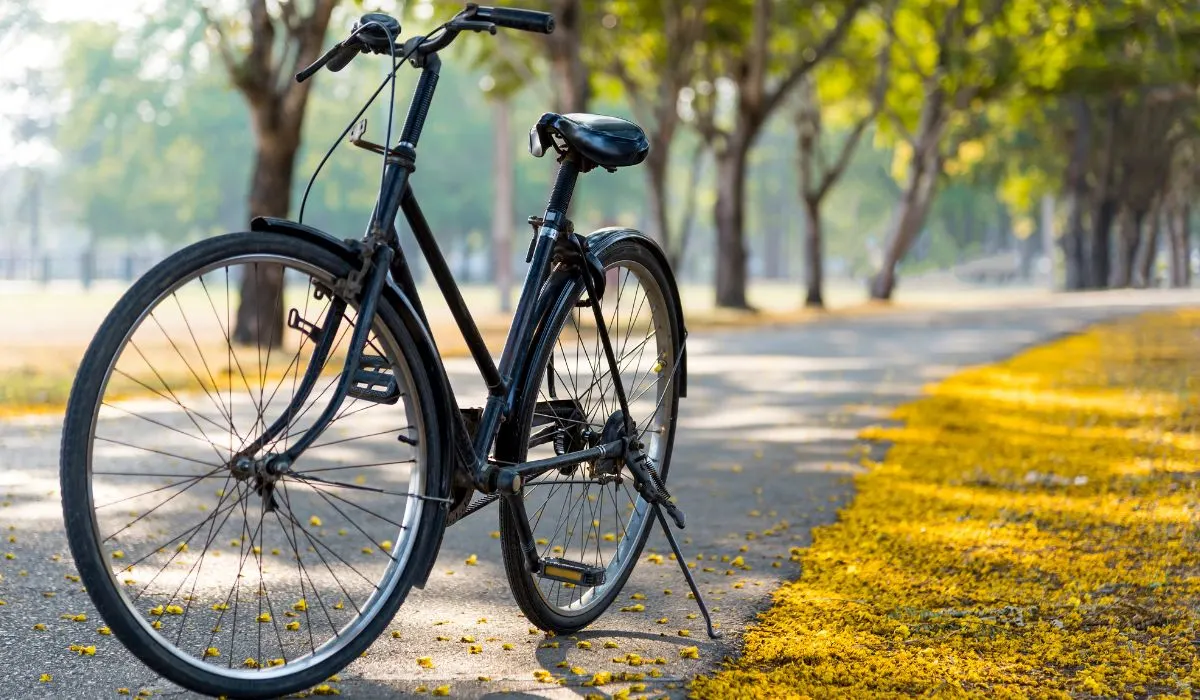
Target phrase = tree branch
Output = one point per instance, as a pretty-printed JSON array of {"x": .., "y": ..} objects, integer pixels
[
  {"x": 878, "y": 93},
  {"x": 260, "y": 73},
  {"x": 706, "y": 117},
  {"x": 900, "y": 127},
  {"x": 633, "y": 92},
  {"x": 226, "y": 53},
  {"x": 989, "y": 15},
  {"x": 828, "y": 44},
  {"x": 689, "y": 203},
  {"x": 308, "y": 37}
]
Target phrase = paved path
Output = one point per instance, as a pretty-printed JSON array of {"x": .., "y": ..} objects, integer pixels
[{"x": 767, "y": 446}]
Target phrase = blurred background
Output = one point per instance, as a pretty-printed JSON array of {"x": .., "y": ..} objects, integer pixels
[{"x": 804, "y": 154}]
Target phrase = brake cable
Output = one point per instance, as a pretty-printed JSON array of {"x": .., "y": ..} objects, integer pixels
[{"x": 396, "y": 64}]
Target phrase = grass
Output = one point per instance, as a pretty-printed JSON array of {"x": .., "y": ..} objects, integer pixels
[
  {"x": 1031, "y": 532},
  {"x": 50, "y": 326}
]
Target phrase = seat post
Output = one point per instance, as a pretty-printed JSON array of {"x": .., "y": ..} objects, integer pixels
[{"x": 564, "y": 188}]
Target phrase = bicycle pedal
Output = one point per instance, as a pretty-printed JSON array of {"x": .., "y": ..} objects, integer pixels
[
  {"x": 572, "y": 572},
  {"x": 374, "y": 381}
]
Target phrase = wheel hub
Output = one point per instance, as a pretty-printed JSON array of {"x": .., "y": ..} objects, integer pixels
[
  {"x": 614, "y": 429},
  {"x": 265, "y": 471}
]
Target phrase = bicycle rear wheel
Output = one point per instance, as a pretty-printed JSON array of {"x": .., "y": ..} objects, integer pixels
[
  {"x": 228, "y": 582},
  {"x": 589, "y": 516}
]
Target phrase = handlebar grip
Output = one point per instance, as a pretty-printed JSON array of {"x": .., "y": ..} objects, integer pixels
[{"x": 514, "y": 18}]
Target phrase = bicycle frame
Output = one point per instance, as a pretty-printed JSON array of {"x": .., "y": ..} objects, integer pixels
[{"x": 381, "y": 255}]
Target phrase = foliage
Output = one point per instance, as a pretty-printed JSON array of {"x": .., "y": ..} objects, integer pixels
[
  {"x": 142, "y": 107},
  {"x": 139, "y": 144}
]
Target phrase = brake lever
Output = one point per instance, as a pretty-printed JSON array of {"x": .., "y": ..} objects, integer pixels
[
  {"x": 318, "y": 64},
  {"x": 337, "y": 58},
  {"x": 471, "y": 25}
]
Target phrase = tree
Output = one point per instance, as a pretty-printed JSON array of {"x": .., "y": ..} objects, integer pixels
[
  {"x": 955, "y": 58},
  {"x": 509, "y": 73},
  {"x": 654, "y": 59},
  {"x": 571, "y": 75},
  {"x": 842, "y": 77},
  {"x": 278, "y": 40},
  {"x": 1177, "y": 212},
  {"x": 131, "y": 131},
  {"x": 753, "y": 46},
  {"x": 1116, "y": 82}
]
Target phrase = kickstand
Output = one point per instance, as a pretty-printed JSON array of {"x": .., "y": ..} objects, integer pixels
[{"x": 712, "y": 633}]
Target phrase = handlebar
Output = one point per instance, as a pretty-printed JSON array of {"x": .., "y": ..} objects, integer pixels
[
  {"x": 514, "y": 18},
  {"x": 473, "y": 18}
]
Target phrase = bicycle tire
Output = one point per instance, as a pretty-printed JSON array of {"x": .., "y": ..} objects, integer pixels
[
  {"x": 625, "y": 253},
  {"x": 94, "y": 563}
]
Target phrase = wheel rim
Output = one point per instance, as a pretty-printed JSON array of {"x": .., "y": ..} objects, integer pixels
[
  {"x": 195, "y": 558},
  {"x": 593, "y": 523}
]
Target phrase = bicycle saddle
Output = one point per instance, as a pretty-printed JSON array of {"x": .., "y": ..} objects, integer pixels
[{"x": 608, "y": 142}]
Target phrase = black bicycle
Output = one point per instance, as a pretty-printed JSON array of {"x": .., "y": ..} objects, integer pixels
[{"x": 249, "y": 518}]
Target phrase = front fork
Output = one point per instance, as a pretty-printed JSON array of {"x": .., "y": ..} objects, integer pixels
[{"x": 368, "y": 284}]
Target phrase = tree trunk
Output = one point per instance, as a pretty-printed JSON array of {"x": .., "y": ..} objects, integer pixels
[
  {"x": 1076, "y": 189},
  {"x": 907, "y": 224},
  {"x": 675, "y": 256},
  {"x": 264, "y": 74},
  {"x": 1128, "y": 226},
  {"x": 1100, "y": 244},
  {"x": 813, "y": 254},
  {"x": 729, "y": 217},
  {"x": 1073, "y": 249},
  {"x": 657, "y": 162},
  {"x": 570, "y": 74},
  {"x": 1147, "y": 250},
  {"x": 1177, "y": 229},
  {"x": 502, "y": 202},
  {"x": 913, "y": 208},
  {"x": 260, "y": 312},
  {"x": 909, "y": 218}
]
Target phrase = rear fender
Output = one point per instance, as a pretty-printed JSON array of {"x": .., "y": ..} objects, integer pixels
[
  {"x": 428, "y": 355},
  {"x": 601, "y": 239}
]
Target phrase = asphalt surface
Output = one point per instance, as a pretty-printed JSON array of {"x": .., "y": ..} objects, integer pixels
[{"x": 766, "y": 451}]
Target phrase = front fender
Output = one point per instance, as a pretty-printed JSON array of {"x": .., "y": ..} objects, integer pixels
[
  {"x": 602, "y": 238},
  {"x": 428, "y": 356}
]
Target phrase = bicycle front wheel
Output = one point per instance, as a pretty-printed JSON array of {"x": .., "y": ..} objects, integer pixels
[
  {"x": 234, "y": 581},
  {"x": 589, "y": 516}
]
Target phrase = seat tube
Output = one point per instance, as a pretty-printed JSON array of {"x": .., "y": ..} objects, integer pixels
[
  {"x": 520, "y": 333},
  {"x": 556, "y": 214}
]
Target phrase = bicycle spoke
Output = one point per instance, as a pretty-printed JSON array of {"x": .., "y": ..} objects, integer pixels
[{"x": 216, "y": 584}]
